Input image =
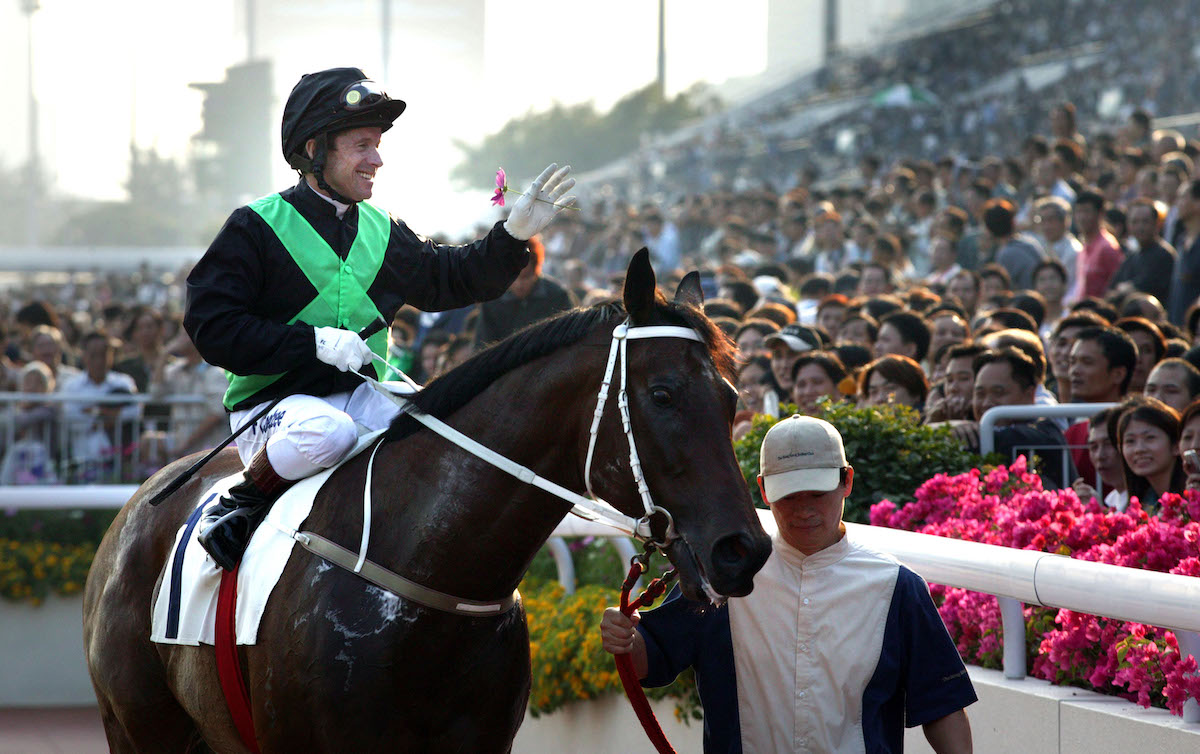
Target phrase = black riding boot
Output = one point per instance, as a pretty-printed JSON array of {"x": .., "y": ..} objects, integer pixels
[{"x": 226, "y": 529}]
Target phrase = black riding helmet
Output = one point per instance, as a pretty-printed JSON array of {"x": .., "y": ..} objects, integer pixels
[{"x": 326, "y": 102}]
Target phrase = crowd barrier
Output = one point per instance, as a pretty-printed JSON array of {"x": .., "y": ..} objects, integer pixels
[{"x": 70, "y": 439}]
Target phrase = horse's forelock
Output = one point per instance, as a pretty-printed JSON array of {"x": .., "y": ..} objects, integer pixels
[{"x": 720, "y": 346}]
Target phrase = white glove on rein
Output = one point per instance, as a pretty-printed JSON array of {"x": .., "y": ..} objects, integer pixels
[{"x": 342, "y": 348}]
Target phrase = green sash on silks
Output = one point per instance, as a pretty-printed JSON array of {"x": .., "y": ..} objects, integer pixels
[{"x": 341, "y": 299}]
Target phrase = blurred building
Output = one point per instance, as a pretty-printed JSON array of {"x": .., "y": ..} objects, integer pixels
[
  {"x": 237, "y": 152},
  {"x": 232, "y": 156}
]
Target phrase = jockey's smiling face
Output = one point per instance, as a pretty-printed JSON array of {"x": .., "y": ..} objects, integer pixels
[{"x": 352, "y": 160}]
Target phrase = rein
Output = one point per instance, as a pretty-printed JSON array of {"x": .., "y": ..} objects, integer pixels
[{"x": 629, "y": 679}]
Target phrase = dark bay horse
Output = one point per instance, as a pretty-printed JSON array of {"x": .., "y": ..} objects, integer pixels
[{"x": 344, "y": 666}]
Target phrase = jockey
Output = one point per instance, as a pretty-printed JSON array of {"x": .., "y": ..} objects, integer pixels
[{"x": 279, "y": 297}]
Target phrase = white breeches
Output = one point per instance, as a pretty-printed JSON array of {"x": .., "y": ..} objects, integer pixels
[{"x": 304, "y": 434}]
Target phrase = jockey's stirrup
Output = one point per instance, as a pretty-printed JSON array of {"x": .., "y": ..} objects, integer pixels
[{"x": 226, "y": 529}]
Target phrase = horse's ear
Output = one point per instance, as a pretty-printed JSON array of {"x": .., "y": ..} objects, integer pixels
[
  {"x": 640, "y": 287},
  {"x": 689, "y": 291}
]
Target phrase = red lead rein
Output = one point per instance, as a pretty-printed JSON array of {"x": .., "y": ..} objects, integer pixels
[{"x": 629, "y": 679}]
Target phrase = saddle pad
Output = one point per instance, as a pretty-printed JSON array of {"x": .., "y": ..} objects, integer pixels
[{"x": 185, "y": 607}]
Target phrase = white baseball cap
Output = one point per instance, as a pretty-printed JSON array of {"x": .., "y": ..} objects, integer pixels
[
  {"x": 798, "y": 338},
  {"x": 801, "y": 454}
]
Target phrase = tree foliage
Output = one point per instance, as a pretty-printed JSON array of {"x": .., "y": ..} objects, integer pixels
[{"x": 589, "y": 139}]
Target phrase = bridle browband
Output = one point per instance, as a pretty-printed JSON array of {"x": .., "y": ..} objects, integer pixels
[{"x": 591, "y": 508}]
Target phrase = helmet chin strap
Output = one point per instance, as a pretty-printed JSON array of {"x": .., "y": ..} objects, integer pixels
[{"x": 318, "y": 170}]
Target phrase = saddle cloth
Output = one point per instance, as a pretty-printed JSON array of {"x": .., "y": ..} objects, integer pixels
[{"x": 185, "y": 608}]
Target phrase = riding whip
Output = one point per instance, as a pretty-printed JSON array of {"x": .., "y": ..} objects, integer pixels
[{"x": 183, "y": 478}]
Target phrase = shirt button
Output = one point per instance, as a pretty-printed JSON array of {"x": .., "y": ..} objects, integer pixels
[
  {"x": 801, "y": 694},
  {"x": 803, "y": 647},
  {"x": 806, "y": 600}
]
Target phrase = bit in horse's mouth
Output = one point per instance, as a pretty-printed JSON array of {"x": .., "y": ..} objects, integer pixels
[{"x": 689, "y": 561}]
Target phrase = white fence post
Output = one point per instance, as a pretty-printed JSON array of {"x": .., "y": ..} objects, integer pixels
[
  {"x": 1189, "y": 644},
  {"x": 562, "y": 559},
  {"x": 1012, "y": 615}
]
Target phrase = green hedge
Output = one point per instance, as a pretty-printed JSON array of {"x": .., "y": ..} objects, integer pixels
[{"x": 891, "y": 451}]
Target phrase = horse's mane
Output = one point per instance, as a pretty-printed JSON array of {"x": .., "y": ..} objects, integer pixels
[{"x": 451, "y": 391}]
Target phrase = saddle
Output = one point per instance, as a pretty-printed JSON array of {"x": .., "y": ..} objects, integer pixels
[{"x": 185, "y": 603}]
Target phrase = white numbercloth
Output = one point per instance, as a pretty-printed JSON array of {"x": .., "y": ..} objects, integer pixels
[{"x": 305, "y": 434}]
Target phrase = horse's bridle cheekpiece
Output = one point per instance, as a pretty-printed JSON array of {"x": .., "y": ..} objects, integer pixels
[{"x": 591, "y": 508}]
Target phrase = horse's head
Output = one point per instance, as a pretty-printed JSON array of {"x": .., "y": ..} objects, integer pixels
[{"x": 681, "y": 407}]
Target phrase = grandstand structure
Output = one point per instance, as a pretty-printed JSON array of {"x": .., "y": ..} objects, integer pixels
[{"x": 995, "y": 72}]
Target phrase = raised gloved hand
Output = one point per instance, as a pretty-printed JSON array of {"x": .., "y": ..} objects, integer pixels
[
  {"x": 540, "y": 203},
  {"x": 342, "y": 348}
]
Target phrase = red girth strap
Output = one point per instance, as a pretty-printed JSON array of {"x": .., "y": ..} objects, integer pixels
[
  {"x": 629, "y": 679},
  {"x": 229, "y": 667}
]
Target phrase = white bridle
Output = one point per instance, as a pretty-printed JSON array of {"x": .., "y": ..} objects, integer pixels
[
  {"x": 591, "y": 508},
  {"x": 620, "y": 339}
]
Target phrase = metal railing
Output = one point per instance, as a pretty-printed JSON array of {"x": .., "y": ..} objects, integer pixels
[
  {"x": 988, "y": 422},
  {"x": 70, "y": 439}
]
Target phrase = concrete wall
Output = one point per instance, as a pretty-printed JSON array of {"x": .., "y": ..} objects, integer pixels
[
  {"x": 1028, "y": 716},
  {"x": 1035, "y": 717},
  {"x": 604, "y": 725},
  {"x": 41, "y": 654}
]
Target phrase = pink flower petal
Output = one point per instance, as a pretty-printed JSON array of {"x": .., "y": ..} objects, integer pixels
[
  {"x": 501, "y": 179},
  {"x": 498, "y": 197}
]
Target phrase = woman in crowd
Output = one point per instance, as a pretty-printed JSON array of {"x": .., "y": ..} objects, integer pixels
[
  {"x": 47, "y": 347},
  {"x": 750, "y": 335},
  {"x": 31, "y": 449},
  {"x": 946, "y": 327},
  {"x": 1050, "y": 279},
  {"x": 1151, "y": 346},
  {"x": 1148, "y": 435},
  {"x": 147, "y": 355},
  {"x": 858, "y": 327},
  {"x": 816, "y": 375},
  {"x": 146, "y": 360},
  {"x": 965, "y": 287},
  {"x": 893, "y": 379},
  {"x": 758, "y": 393}
]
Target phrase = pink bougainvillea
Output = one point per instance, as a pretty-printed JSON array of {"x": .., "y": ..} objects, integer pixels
[{"x": 1007, "y": 506}]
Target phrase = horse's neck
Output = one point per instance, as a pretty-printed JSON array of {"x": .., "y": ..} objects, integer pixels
[{"x": 459, "y": 524}]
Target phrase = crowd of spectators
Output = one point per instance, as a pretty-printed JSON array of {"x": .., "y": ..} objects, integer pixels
[
  {"x": 1023, "y": 247},
  {"x": 91, "y": 341}
]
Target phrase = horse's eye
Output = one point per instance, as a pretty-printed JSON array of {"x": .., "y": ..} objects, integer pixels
[{"x": 661, "y": 396}]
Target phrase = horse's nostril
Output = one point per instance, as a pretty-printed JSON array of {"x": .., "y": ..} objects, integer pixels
[{"x": 731, "y": 550}]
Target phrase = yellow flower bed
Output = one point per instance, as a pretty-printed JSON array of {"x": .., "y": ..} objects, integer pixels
[
  {"x": 31, "y": 571},
  {"x": 568, "y": 661}
]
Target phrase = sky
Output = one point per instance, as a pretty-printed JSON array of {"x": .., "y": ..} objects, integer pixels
[{"x": 108, "y": 72}]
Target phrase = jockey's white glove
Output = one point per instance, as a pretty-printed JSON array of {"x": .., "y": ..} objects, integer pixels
[
  {"x": 534, "y": 210},
  {"x": 342, "y": 348}
]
